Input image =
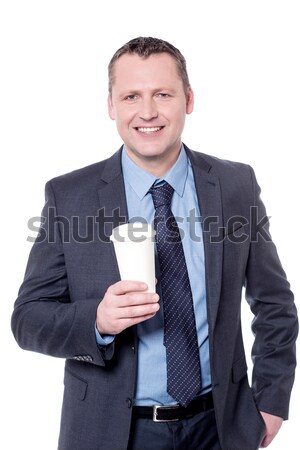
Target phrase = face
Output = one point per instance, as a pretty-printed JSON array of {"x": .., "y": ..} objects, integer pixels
[{"x": 149, "y": 105}]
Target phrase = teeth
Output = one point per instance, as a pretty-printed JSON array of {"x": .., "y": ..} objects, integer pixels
[{"x": 149, "y": 130}]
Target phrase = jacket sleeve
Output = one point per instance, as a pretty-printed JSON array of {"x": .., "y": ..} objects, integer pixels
[
  {"x": 275, "y": 323},
  {"x": 44, "y": 319}
]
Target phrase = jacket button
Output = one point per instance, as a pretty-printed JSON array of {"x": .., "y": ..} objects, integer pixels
[
  {"x": 133, "y": 348},
  {"x": 129, "y": 402}
]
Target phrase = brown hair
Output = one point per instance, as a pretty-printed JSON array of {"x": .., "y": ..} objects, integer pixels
[{"x": 144, "y": 47}]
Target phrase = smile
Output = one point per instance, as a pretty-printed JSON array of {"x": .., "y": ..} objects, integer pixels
[{"x": 149, "y": 130}]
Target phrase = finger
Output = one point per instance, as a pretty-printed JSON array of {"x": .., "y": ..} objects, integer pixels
[
  {"x": 137, "y": 298},
  {"x": 124, "y": 286},
  {"x": 133, "y": 312},
  {"x": 266, "y": 441},
  {"x": 135, "y": 320}
]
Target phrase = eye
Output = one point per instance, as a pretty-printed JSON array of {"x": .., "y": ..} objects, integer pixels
[
  {"x": 163, "y": 95},
  {"x": 131, "y": 97}
]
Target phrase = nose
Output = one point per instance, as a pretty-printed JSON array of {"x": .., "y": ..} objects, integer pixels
[{"x": 148, "y": 109}]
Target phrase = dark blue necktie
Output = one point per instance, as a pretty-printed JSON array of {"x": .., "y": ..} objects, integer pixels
[{"x": 180, "y": 335}]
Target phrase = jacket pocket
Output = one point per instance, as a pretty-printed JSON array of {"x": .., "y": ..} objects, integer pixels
[
  {"x": 76, "y": 386},
  {"x": 239, "y": 369}
]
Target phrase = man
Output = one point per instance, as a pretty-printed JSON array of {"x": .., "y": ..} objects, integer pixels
[{"x": 133, "y": 379}]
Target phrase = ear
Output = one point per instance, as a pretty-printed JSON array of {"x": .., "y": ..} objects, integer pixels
[
  {"x": 110, "y": 107},
  {"x": 189, "y": 101}
]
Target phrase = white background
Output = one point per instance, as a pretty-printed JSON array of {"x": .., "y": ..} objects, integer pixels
[{"x": 243, "y": 61}]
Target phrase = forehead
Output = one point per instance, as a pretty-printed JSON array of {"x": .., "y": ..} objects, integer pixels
[{"x": 136, "y": 72}]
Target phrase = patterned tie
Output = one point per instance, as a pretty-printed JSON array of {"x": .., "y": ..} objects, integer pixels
[{"x": 180, "y": 335}]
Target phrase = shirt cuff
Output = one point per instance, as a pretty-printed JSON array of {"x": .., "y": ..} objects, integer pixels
[{"x": 105, "y": 339}]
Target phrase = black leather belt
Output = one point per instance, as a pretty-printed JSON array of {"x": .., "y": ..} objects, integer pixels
[{"x": 174, "y": 413}]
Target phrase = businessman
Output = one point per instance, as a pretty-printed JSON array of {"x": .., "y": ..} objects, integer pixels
[{"x": 164, "y": 370}]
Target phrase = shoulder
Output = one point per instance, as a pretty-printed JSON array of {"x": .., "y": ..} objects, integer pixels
[
  {"x": 236, "y": 180},
  {"x": 216, "y": 165},
  {"x": 228, "y": 172},
  {"x": 86, "y": 178}
]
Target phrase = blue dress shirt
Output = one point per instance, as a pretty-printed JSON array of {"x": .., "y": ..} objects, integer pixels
[{"x": 151, "y": 386}]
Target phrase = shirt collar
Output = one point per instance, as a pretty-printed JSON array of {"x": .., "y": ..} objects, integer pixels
[{"x": 141, "y": 181}]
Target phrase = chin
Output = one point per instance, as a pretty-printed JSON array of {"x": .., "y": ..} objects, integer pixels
[{"x": 151, "y": 154}]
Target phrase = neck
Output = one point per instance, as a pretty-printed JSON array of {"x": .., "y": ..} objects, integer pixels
[{"x": 157, "y": 165}]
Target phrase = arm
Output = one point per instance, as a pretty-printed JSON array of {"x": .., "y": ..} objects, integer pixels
[
  {"x": 275, "y": 324},
  {"x": 45, "y": 318}
]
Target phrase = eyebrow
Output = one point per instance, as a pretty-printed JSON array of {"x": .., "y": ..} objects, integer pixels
[{"x": 137, "y": 91}]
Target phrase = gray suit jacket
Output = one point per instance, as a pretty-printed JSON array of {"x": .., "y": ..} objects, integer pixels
[{"x": 72, "y": 263}]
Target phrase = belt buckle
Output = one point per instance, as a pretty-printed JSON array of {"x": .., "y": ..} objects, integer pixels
[{"x": 155, "y": 413}]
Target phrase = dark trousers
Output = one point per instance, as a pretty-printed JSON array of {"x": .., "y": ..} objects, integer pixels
[{"x": 196, "y": 433}]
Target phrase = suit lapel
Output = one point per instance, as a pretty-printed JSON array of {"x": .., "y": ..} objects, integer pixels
[
  {"x": 112, "y": 204},
  {"x": 112, "y": 198},
  {"x": 209, "y": 198},
  {"x": 111, "y": 194}
]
